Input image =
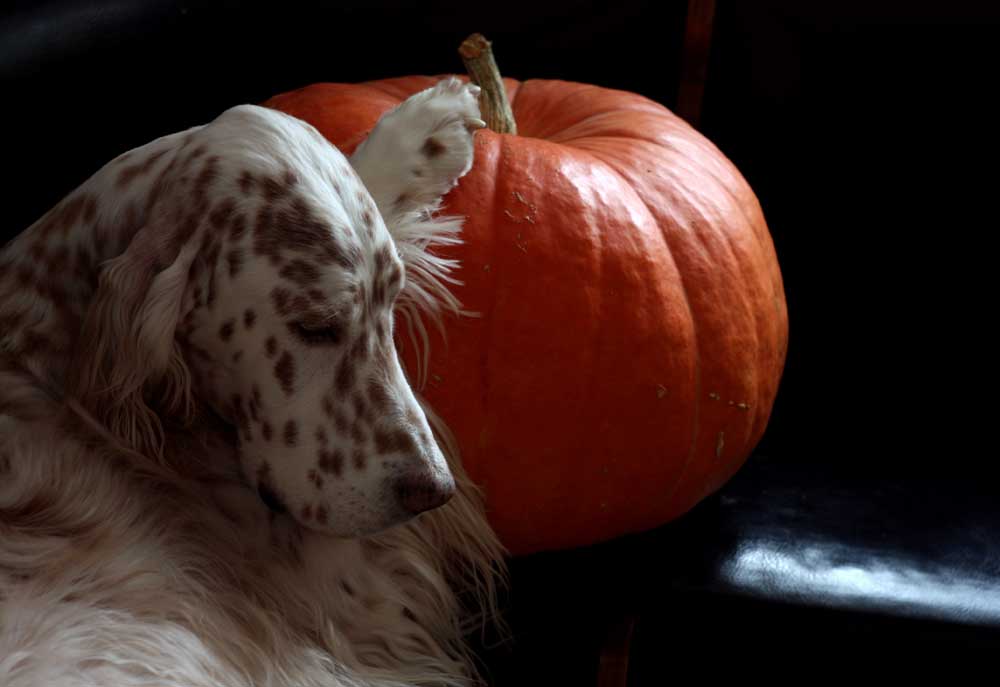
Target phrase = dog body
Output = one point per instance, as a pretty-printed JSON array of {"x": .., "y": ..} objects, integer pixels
[{"x": 211, "y": 461}]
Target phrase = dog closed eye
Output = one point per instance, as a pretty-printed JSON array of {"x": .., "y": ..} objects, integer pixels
[{"x": 318, "y": 334}]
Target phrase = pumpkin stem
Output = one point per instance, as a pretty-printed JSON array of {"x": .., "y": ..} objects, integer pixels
[{"x": 477, "y": 54}]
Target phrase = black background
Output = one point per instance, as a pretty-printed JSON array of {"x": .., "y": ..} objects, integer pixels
[
  {"x": 864, "y": 127},
  {"x": 867, "y": 129}
]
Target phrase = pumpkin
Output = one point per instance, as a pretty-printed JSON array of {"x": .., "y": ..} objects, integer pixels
[{"x": 632, "y": 326}]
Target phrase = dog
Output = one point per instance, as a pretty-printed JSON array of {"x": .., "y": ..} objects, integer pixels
[{"x": 213, "y": 469}]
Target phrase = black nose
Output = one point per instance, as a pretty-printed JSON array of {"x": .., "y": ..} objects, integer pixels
[{"x": 418, "y": 491}]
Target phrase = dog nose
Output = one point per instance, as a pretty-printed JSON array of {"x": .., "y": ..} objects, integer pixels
[{"x": 419, "y": 492}]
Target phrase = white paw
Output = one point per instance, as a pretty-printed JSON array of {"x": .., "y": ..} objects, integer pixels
[{"x": 418, "y": 151}]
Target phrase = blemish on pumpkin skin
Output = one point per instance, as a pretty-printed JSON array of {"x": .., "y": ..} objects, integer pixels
[
  {"x": 719, "y": 444},
  {"x": 714, "y": 396},
  {"x": 529, "y": 217},
  {"x": 661, "y": 391}
]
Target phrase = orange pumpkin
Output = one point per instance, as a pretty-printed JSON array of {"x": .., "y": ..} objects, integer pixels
[{"x": 632, "y": 328}]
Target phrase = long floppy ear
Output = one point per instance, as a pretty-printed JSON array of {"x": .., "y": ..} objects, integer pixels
[{"x": 126, "y": 347}]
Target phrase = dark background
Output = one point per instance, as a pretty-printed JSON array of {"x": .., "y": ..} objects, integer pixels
[
  {"x": 864, "y": 128},
  {"x": 867, "y": 131}
]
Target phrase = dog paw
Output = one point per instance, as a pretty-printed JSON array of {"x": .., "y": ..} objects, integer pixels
[{"x": 418, "y": 151}]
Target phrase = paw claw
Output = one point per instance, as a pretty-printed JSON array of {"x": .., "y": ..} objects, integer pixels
[{"x": 472, "y": 124}]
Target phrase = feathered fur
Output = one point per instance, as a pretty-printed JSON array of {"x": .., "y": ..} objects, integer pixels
[{"x": 132, "y": 551}]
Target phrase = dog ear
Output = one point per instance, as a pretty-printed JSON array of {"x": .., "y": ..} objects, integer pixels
[{"x": 126, "y": 348}]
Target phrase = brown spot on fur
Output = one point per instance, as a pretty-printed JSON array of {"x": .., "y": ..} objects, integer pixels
[
  {"x": 299, "y": 304},
  {"x": 378, "y": 294},
  {"x": 89, "y": 208},
  {"x": 71, "y": 212},
  {"x": 273, "y": 188},
  {"x": 307, "y": 512},
  {"x": 296, "y": 228},
  {"x": 359, "y": 459},
  {"x": 321, "y": 436},
  {"x": 341, "y": 423},
  {"x": 284, "y": 370},
  {"x": 222, "y": 213},
  {"x": 331, "y": 462},
  {"x": 378, "y": 395},
  {"x": 199, "y": 150},
  {"x": 315, "y": 295},
  {"x": 226, "y": 330},
  {"x": 315, "y": 478},
  {"x": 358, "y": 432},
  {"x": 394, "y": 277},
  {"x": 235, "y": 260},
  {"x": 394, "y": 441},
  {"x": 246, "y": 182},
  {"x": 345, "y": 376},
  {"x": 240, "y": 416},
  {"x": 271, "y": 346},
  {"x": 280, "y": 297},
  {"x": 209, "y": 173},
  {"x": 249, "y": 317},
  {"x": 328, "y": 406},
  {"x": 159, "y": 185},
  {"x": 291, "y": 433},
  {"x": 131, "y": 172},
  {"x": 383, "y": 258},
  {"x": 321, "y": 514},
  {"x": 361, "y": 409},
  {"x": 238, "y": 227},
  {"x": 263, "y": 243},
  {"x": 433, "y": 148},
  {"x": 301, "y": 272},
  {"x": 266, "y": 431},
  {"x": 237, "y": 356}
]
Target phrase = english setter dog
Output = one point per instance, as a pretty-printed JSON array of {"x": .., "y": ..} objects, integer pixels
[{"x": 213, "y": 469}]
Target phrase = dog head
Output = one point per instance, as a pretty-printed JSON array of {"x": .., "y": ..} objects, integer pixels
[{"x": 263, "y": 284}]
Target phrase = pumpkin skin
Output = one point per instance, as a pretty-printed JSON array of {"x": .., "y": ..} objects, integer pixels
[{"x": 633, "y": 326}]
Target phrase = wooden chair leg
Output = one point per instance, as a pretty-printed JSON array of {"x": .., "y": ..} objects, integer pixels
[{"x": 612, "y": 670}]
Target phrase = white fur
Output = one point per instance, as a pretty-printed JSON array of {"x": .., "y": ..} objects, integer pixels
[{"x": 132, "y": 550}]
